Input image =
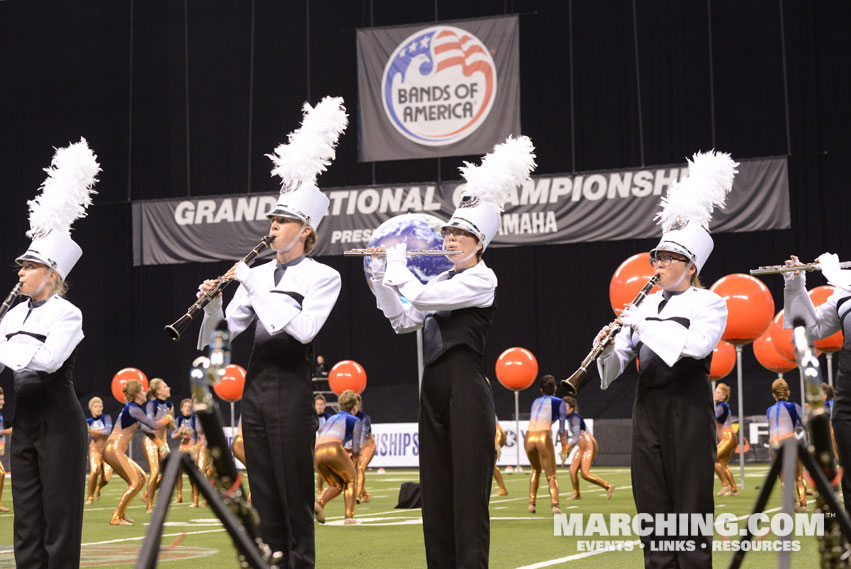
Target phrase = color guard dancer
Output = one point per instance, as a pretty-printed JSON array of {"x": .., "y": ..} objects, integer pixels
[
  {"x": 156, "y": 447},
  {"x": 783, "y": 417},
  {"x": 186, "y": 432},
  {"x": 3, "y": 432},
  {"x": 290, "y": 299},
  {"x": 38, "y": 342},
  {"x": 539, "y": 447},
  {"x": 822, "y": 322},
  {"x": 455, "y": 310},
  {"x": 586, "y": 454},
  {"x": 100, "y": 427},
  {"x": 367, "y": 451},
  {"x": 727, "y": 440},
  {"x": 673, "y": 333},
  {"x": 498, "y": 443}
]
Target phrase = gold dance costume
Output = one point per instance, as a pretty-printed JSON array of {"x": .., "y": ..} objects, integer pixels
[
  {"x": 499, "y": 442},
  {"x": 584, "y": 457},
  {"x": 100, "y": 473},
  {"x": 156, "y": 448},
  {"x": 366, "y": 454},
  {"x": 727, "y": 442},
  {"x": 187, "y": 433},
  {"x": 3, "y": 433},
  {"x": 539, "y": 445},
  {"x": 783, "y": 417},
  {"x": 115, "y": 455},
  {"x": 333, "y": 462}
]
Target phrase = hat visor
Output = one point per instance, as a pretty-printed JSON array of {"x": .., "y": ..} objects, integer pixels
[
  {"x": 285, "y": 212},
  {"x": 671, "y": 247},
  {"x": 466, "y": 226},
  {"x": 30, "y": 256}
]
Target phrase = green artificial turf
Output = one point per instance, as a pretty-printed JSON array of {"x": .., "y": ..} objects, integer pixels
[{"x": 391, "y": 539}]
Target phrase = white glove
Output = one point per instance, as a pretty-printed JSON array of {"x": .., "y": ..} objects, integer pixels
[
  {"x": 608, "y": 349},
  {"x": 829, "y": 264},
  {"x": 397, "y": 254},
  {"x": 793, "y": 281},
  {"x": 244, "y": 275},
  {"x": 377, "y": 266},
  {"x": 630, "y": 317}
]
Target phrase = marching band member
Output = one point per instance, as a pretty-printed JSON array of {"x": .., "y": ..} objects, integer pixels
[
  {"x": 546, "y": 410},
  {"x": 587, "y": 453},
  {"x": 828, "y": 392},
  {"x": 186, "y": 432},
  {"x": 727, "y": 440},
  {"x": 366, "y": 453},
  {"x": 100, "y": 427},
  {"x": 499, "y": 442},
  {"x": 455, "y": 310},
  {"x": 332, "y": 460},
  {"x": 115, "y": 454},
  {"x": 783, "y": 417},
  {"x": 156, "y": 447},
  {"x": 673, "y": 333},
  {"x": 3, "y": 432},
  {"x": 38, "y": 342},
  {"x": 290, "y": 298}
]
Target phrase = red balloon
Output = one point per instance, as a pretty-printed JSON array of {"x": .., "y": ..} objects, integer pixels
[
  {"x": 628, "y": 280},
  {"x": 750, "y": 307},
  {"x": 232, "y": 383},
  {"x": 768, "y": 356},
  {"x": 782, "y": 339},
  {"x": 516, "y": 368},
  {"x": 833, "y": 343},
  {"x": 723, "y": 360},
  {"x": 122, "y": 377},
  {"x": 347, "y": 374}
]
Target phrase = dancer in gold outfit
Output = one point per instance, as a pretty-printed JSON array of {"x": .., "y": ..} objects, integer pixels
[
  {"x": 727, "y": 440},
  {"x": 100, "y": 427},
  {"x": 586, "y": 454},
  {"x": 3, "y": 432},
  {"x": 366, "y": 453},
  {"x": 499, "y": 442},
  {"x": 186, "y": 432},
  {"x": 332, "y": 460},
  {"x": 539, "y": 441},
  {"x": 115, "y": 453},
  {"x": 156, "y": 447}
]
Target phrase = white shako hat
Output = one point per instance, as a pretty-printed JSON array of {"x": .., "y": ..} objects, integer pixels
[
  {"x": 490, "y": 185},
  {"x": 66, "y": 193},
  {"x": 307, "y": 154},
  {"x": 687, "y": 208}
]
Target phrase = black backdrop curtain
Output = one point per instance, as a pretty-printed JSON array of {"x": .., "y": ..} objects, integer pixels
[{"x": 184, "y": 98}]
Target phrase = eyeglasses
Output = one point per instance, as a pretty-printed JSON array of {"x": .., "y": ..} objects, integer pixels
[
  {"x": 456, "y": 231},
  {"x": 665, "y": 261}
]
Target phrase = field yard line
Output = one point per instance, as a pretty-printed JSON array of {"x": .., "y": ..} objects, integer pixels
[
  {"x": 137, "y": 538},
  {"x": 574, "y": 557}
]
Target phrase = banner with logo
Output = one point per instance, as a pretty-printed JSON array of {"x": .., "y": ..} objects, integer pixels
[
  {"x": 551, "y": 209},
  {"x": 432, "y": 90}
]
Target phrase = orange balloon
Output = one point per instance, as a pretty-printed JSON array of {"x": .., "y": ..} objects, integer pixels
[
  {"x": 833, "y": 343},
  {"x": 516, "y": 368},
  {"x": 122, "y": 377},
  {"x": 347, "y": 374},
  {"x": 750, "y": 307},
  {"x": 628, "y": 280},
  {"x": 782, "y": 339},
  {"x": 723, "y": 360},
  {"x": 232, "y": 383},
  {"x": 768, "y": 356}
]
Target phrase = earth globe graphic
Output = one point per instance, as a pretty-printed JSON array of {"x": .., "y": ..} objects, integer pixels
[{"x": 419, "y": 231}]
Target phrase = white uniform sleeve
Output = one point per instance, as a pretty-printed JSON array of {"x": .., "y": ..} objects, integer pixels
[
  {"x": 467, "y": 289},
  {"x": 239, "y": 316},
  {"x": 672, "y": 341},
  {"x": 612, "y": 364},
  {"x": 402, "y": 318},
  {"x": 64, "y": 334},
  {"x": 821, "y": 322}
]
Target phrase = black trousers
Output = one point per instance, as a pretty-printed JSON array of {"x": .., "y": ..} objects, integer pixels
[
  {"x": 673, "y": 453},
  {"x": 49, "y": 467},
  {"x": 457, "y": 456},
  {"x": 278, "y": 428},
  {"x": 842, "y": 421}
]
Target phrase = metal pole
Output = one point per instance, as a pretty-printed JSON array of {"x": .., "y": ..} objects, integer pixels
[
  {"x": 232, "y": 422},
  {"x": 803, "y": 388},
  {"x": 517, "y": 425},
  {"x": 741, "y": 418},
  {"x": 829, "y": 368},
  {"x": 419, "y": 361}
]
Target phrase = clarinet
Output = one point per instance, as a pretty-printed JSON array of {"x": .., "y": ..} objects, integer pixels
[
  {"x": 10, "y": 300},
  {"x": 571, "y": 384}
]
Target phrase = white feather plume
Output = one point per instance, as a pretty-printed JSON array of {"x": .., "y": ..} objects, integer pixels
[
  {"x": 506, "y": 167},
  {"x": 710, "y": 178},
  {"x": 66, "y": 192},
  {"x": 311, "y": 147}
]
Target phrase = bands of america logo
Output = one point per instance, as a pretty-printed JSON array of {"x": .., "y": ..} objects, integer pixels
[{"x": 439, "y": 85}]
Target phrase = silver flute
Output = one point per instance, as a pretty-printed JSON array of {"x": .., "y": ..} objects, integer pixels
[
  {"x": 778, "y": 269},
  {"x": 409, "y": 253}
]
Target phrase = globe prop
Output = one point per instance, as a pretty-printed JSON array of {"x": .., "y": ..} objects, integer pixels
[
  {"x": 723, "y": 360},
  {"x": 834, "y": 342},
  {"x": 628, "y": 279},
  {"x": 768, "y": 356},
  {"x": 750, "y": 307},
  {"x": 418, "y": 231},
  {"x": 516, "y": 368},
  {"x": 232, "y": 384},
  {"x": 347, "y": 374},
  {"x": 122, "y": 377}
]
